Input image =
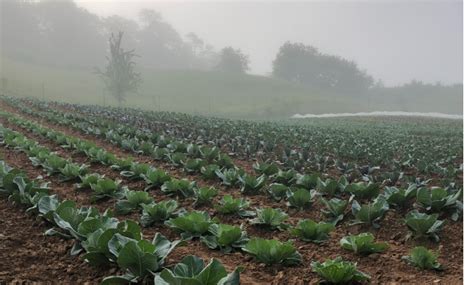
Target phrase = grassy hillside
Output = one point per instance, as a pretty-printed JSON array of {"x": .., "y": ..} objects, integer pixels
[{"x": 207, "y": 93}]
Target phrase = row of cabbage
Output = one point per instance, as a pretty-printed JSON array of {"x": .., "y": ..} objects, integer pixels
[
  {"x": 299, "y": 195},
  {"x": 106, "y": 240},
  {"x": 211, "y": 164},
  {"x": 429, "y": 147},
  {"x": 273, "y": 218}
]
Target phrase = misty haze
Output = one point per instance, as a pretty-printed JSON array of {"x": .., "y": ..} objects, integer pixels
[{"x": 231, "y": 142}]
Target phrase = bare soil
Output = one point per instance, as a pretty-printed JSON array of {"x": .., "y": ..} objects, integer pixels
[{"x": 52, "y": 262}]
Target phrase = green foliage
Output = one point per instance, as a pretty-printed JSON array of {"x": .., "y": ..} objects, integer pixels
[
  {"x": 309, "y": 230},
  {"x": 334, "y": 209},
  {"x": 423, "y": 258},
  {"x": 232, "y": 61},
  {"x": 230, "y": 177},
  {"x": 106, "y": 188},
  {"x": 369, "y": 213},
  {"x": 137, "y": 170},
  {"x": 399, "y": 197},
  {"x": 362, "y": 190},
  {"x": 287, "y": 177},
  {"x": 97, "y": 243},
  {"x": 273, "y": 251},
  {"x": 338, "y": 271},
  {"x": 438, "y": 199},
  {"x": 300, "y": 198},
  {"x": 329, "y": 187},
  {"x": 155, "y": 177},
  {"x": 191, "y": 224},
  {"x": 229, "y": 205},
  {"x": 119, "y": 75},
  {"x": 267, "y": 169},
  {"x": 72, "y": 171},
  {"x": 251, "y": 184},
  {"x": 271, "y": 218},
  {"x": 179, "y": 187},
  {"x": 225, "y": 237},
  {"x": 88, "y": 180},
  {"x": 278, "y": 191},
  {"x": 53, "y": 164},
  {"x": 205, "y": 195},
  {"x": 133, "y": 200},
  {"x": 157, "y": 212},
  {"x": 194, "y": 165},
  {"x": 307, "y": 181},
  {"x": 123, "y": 164},
  {"x": 209, "y": 171},
  {"x": 193, "y": 271},
  {"x": 306, "y": 65},
  {"x": 138, "y": 258},
  {"x": 362, "y": 244},
  {"x": 423, "y": 225}
]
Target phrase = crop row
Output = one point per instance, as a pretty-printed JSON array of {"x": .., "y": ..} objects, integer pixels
[
  {"x": 274, "y": 218},
  {"x": 196, "y": 159},
  {"x": 298, "y": 195},
  {"x": 429, "y": 148}
]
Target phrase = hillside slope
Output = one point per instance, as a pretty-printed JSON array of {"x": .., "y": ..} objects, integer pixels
[{"x": 206, "y": 93}]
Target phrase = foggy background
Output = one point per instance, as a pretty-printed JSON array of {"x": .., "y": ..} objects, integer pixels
[
  {"x": 395, "y": 41},
  {"x": 243, "y": 59}
]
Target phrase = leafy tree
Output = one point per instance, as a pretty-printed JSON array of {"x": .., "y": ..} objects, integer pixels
[
  {"x": 304, "y": 64},
  {"x": 119, "y": 75},
  {"x": 233, "y": 60}
]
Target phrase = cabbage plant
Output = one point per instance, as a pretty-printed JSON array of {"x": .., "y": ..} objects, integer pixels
[
  {"x": 278, "y": 191},
  {"x": 363, "y": 244},
  {"x": 271, "y": 218},
  {"x": 300, "y": 198},
  {"x": 133, "y": 201},
  {"x": 423, "y": 225},
  {"x": 370, "y": 213},
  {"x": 334, "y": 209},
  {"x": 191, "y": 224},
  {"x": 192, "y": 270},
  {"x": 438, "y": 199},
  {"x": 204, "y": 195},
  {"x": 309, "y": 230},
  {"x": 155, "y": 177},
  {"x": 362, "y": 190},
  {"x": 272, "y": 251},
  {"x": 229, "y": 206},
  {"x": 251, "y": 184},
  {"x": 158, "y": 212},
  {"x": 423, "y": 258},
  {"x": 338, "y": 271},
  {"x": 179, "y": 187},
  {"x": 225, "y": 237}
]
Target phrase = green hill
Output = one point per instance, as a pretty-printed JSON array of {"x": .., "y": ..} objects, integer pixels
[{"x": 198, "y": 92}]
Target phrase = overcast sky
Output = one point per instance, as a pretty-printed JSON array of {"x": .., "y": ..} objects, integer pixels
[{"x": 395, "y": 41}]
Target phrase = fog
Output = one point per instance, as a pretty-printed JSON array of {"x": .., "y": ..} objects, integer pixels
[
  {"x": 395, "y": 41},
  {"x": 262, "y": 60}
]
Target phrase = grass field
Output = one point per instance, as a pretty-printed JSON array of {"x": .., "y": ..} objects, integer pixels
[{"x": 207, "y": 93}]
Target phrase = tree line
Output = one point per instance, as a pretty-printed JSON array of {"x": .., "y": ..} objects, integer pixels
[{"x": 62, "y": 34}]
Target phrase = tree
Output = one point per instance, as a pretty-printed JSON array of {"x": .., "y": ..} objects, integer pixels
[
  {"x": 120, "y": 76},
  {"x": 304, "y": 64},
  {"x": 232, "y": 60}
]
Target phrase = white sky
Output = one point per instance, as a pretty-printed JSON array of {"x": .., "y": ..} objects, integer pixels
[{"x": 395, "y": 41}]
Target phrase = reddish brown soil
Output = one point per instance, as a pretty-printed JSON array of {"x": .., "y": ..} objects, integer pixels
[
  {"x": 384, "y": 268},
  {"x": 27, "y": 256}
]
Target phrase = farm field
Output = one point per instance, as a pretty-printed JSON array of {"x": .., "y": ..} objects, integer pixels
[{"x": 119, "y": 195}]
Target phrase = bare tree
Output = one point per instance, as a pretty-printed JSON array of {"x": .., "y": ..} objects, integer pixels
[{"x": 119, "y": 76}]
